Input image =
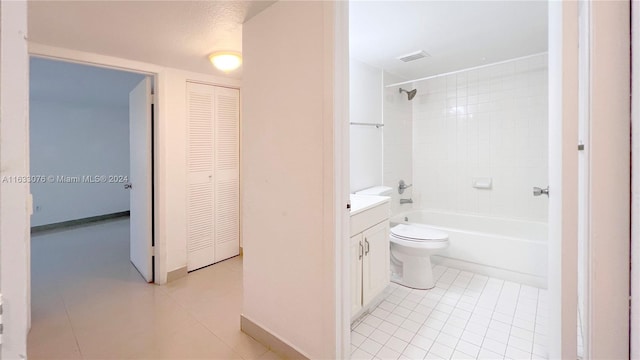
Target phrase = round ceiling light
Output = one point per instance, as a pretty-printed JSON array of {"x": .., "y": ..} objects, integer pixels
[{"x": 226, "y": 60}]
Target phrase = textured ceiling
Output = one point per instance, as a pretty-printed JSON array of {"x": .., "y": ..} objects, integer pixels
[
  {"x": 178, "y": 34},
  {"x": 457, "y": 34}
]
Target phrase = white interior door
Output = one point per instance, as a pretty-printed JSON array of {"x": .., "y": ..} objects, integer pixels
[{"x": 140, "y": 177}]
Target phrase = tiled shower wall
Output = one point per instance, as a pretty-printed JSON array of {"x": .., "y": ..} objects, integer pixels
[
  {"x": 398, "y": 123},
  {"x": 484, "y": 123}
]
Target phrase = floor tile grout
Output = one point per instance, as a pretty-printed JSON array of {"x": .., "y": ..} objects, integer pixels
[{"x": 451, "y": 288}]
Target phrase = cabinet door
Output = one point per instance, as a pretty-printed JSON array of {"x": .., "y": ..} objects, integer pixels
[
  {"x": 356, "y": 273},
  {"x": 375, "y": 266}
]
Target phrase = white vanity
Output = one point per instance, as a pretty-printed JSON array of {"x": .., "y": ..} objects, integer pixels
[{"x": 369, "y": 250}]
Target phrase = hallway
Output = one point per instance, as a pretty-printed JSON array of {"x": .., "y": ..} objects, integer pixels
[{"x": 89, "y": 302}]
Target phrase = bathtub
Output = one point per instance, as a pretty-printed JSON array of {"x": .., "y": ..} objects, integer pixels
[{"x": 514, "y": 250}]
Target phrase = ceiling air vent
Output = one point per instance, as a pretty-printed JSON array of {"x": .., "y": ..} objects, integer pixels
[{"x": 414, "y": 56}]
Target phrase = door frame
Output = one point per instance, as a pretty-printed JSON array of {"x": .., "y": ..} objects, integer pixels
[
  {"x": 15, "y": 204},
  {"x": 563, "y": 107},
  {"x": 562, "y": 242},
  {"x": 70, "y": 56}
]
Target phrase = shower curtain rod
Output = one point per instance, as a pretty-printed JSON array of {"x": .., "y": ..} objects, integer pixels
[{"x": 467, "y": 69}]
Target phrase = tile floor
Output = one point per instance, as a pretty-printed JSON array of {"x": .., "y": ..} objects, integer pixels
[
  {"x": 89, "y": 302},
  {"x": 466, "y": 316}
]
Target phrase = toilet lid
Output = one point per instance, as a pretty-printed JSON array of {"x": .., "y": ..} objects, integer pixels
[{"x": 418, "y": 233}]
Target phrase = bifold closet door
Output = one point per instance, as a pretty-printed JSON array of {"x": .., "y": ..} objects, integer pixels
[
  {"x": 227, "y": 173},
  {"x": 212, "y": 174}
]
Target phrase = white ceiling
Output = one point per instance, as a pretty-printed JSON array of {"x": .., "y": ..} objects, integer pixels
[
  {"x": 178, "y": 34},
  {"x": 457, "y": 34}
]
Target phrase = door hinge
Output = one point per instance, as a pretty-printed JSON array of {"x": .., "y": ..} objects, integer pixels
[{"x": 349, "y": 206}]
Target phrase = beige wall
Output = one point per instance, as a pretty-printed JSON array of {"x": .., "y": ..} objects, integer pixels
[
  {"x": 287, "y": 175},
  {"x": 609, "y": 180}
]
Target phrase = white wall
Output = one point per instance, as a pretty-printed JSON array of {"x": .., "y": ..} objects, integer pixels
[
  {"x": 74, "y": 134},
  {"x": 365, "y": 106},
  {"x": 14, "y": 217},
  {"x": 490, "y": 122},
  {"x": 288, "y": 175},
  {"x": 398, "y": 150}
]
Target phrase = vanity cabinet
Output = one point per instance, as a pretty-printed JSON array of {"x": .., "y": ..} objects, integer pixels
[{"x": 369, "y": 257}]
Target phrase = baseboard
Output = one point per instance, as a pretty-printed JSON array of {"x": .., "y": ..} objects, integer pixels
[
  {"x": 71, "y": 223},
  {"x": 522, "y": 278},
  {"x": 177, "y": 274},
  {"x": 268, "y": 339}
]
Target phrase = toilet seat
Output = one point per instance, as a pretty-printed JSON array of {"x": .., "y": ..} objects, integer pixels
[{"x": 418, "y": 233}]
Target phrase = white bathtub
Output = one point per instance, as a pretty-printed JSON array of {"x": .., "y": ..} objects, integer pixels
[{"x": 514, "y": 250}]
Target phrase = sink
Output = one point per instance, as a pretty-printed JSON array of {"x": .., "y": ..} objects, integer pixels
[{"x": 360, "y": 203}]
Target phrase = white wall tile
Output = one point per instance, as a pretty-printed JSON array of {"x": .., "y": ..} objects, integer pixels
[
  {"x": 490, "y": 122},
  {"x": 398, "y": 128},
  {"x": 366, "y": 142}
]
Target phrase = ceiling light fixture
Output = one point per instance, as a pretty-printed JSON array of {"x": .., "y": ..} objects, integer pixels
[{"x": 226, "y": 60}]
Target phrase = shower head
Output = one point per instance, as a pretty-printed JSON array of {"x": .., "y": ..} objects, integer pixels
[{"x": 411, "y": 94}]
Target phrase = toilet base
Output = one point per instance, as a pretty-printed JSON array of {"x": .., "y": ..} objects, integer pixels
[
  {"x": 412, "y": 271},
  {"x": 399, "y": 281}
]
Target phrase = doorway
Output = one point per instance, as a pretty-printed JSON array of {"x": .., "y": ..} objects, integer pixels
[{"x": 91, "y": 167}]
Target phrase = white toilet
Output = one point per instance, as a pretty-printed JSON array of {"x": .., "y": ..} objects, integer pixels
[{"x": 411, "y": 249}]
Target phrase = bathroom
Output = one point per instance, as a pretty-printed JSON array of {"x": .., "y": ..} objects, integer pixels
[{"x": 448, "y": 112}]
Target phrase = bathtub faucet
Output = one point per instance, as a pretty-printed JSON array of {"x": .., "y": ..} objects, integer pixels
[{"x": 406, "y": 201}]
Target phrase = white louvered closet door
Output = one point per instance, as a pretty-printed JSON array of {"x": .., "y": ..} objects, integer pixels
[
  {"x": 212, "y": 174},
  {"x": 200, "y": 198},
  {"x": 227, "y": 173}
]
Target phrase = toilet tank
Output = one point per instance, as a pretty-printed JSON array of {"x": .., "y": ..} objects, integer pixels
[{"x": 376, "y": 190}]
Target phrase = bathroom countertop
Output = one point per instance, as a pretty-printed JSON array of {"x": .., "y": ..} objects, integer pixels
[{"x": 360, "y": 203}]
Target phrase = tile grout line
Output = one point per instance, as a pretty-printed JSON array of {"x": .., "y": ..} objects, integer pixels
[
  {"x": 197, "y": 319},
  {"x": 511, "y": 325},
  {"x": 403, "y": 294},
  {"x": 535, "y": 322},
  {"x": 451, "y": 314},
  {"x": 392, "y": 311},
  {"x": 75, "y": 337},
  {"x": 491, "y": 318},
  {"x": 474, "y": 308},
  {"x": 423, "y": 323}
]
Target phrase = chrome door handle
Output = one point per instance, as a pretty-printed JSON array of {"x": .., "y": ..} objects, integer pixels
[
  {"x": 366, "y": 246},
  {"x": 360, "y": 252},
  {"x": 538, "y": 191},
  {"x": 128, "y": 186}
]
